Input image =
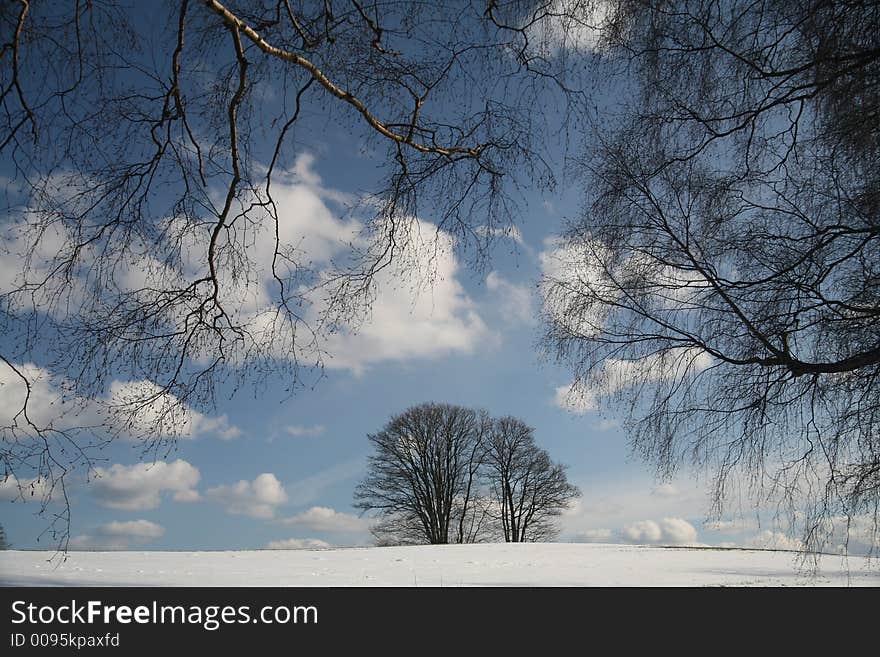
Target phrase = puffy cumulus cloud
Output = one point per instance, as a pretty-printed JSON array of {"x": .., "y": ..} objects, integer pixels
[
  {"x": 141, "y": 486},
  {"x": 644, "y": 531},
  {"x": 137, "y": 408},
  {"x": 300, "y": 431},
  {"x": 325, "y": 519},
  {"x": 27, "y": 254},
  {"x": 49, "y": 400},
  {"x": 298, "y": 544},
  {"x": 118, "y": 535},
  {"x": 671, "y": 365},
  {"x": 419, "y": 310},
  {"x": 629, "y": 496},
  {"x": 133, "y": 528},
  {"x": 857, "y": 535},
  {"x": 306, "y": 222},
  {"x": 153, "y": 411},
  {"x": 13, "y": 393},
  {"x": 515, "y": 302},
  {"x": 13, "y": 489},
  {"x": 258, "y": 498},
  {"x": 417, "y": 307},
  {"x": 668, "y": 531}
]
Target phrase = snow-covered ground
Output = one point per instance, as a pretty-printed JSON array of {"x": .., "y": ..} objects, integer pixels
[{"x": 558, "y": 564}]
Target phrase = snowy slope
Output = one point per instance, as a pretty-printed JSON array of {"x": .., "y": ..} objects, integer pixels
[{"x": 559, "y": 564}]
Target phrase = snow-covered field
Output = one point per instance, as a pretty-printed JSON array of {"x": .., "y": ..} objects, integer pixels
[{"x": 559, "y": 564}]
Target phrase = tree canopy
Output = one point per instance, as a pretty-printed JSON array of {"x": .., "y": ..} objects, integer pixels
[
  {"x": 722, "y": 279},
  {"x": 140, "y": 148},
  {"x": 441, "y": 473}
]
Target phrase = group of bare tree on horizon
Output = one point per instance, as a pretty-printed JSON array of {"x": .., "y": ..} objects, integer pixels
[{"x": 441, "y": 473}]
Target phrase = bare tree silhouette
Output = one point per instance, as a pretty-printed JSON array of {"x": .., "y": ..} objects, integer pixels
[
  {"x": 722, "y": 280},
  {"x": 528, "y": 489},
  {"x": 142, "y": 154}
]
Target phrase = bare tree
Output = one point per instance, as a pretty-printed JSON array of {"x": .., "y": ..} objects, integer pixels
[
  {"x": 4, "y": 544},
  {"x": 447, "y": 474},
  {"x": 422, "y": 477},
  {"x": 529, "y": 490},
  {"x": 724, "y": 278},
  {"x": 142, "y": 155}
]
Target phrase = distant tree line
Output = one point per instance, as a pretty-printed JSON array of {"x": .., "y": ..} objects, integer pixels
[{"x": 441, "y": 473}]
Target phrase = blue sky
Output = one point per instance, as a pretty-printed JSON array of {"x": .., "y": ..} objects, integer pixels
[{"x": 268, "y": 469}]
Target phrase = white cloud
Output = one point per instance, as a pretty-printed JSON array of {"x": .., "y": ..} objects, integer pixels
[
  {"x": 579, "y": 296},
  {"x": 152, "y": 411},
  {"x": 570, "y": 25},
  {"x": 147, "y": 409},
  {"x": 140, "y": 486},
  {"x": 187, "y": 495},
  {"x": 515, "y": 302},
  {"x": 48, "y": 402},
  {"x": 298, "y": 544},
  {"x": 119, "y": 535},
  {"x": 221, "y": 428},
  {"x": 325, "y": 519},
  {"x": 668, "y": 531},
  {"x": 772, "y": 540},
  {"x": 299, "y": 431},
  {"x": 417, "y": 307},
  {"x": 567, "y": 269},
  {"x": 677, "y": 531},
  {"x": 133, "y": 528},
  {"x": 25, "y": 490},
  {"x": 304, "y": 219},
  {"x": 644, "y": 531},
  {"x": 857, "y": 535},
  {"x": 670, "y": 365},
  {"x": 27, "y": 254},
  {"x": 623, "y": 500},
  {"x": 258, "y": 498},
  {"x": 667, "y": 490},
  {"x": 421, "y": 314},
  {"x": 616, "y": 375},
  {"x": 575, "y": 400}
]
